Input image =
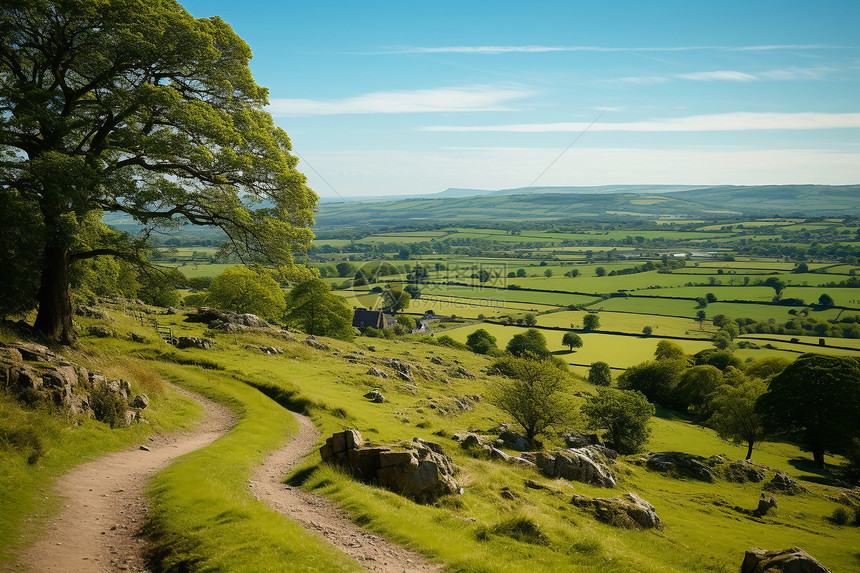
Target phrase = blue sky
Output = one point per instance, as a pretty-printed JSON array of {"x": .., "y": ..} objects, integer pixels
[{"x": 383, "y": 98}]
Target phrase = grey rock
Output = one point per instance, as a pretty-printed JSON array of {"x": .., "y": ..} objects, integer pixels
[
  {"x": 374, "y": 371},
  {"x": 314, "y": 343},
  {"x": 193, "y": 342},
  {"x": 100, "y": 331},
  {"x": 793, "y": 560},
  {"x": 89, "y": 312},
  {"x": 514, "y": 441},
  {"x": 782, "y": 482},
  {"x": 419, "y": 470},
  {"x": 138, "y": 338},
  {"x": 34, "y": 352},
  {"x": 629, "y": 511},
  {"x": 141, "y": 401},
  {"x": 765, "y": 504},
  {"x": 680, "y": 464},
  {"x": 584, "y": 465},
  {"x": 375, "y": 396}
]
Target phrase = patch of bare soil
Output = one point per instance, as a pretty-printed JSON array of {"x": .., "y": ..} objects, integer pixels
[
  {"x": 317, "y": 513},
  {"x": 105, "y": 506}
]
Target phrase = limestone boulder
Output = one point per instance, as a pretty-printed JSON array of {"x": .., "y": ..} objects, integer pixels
[
  {"x": 90, "y": 312},
  {"x": 629, "y": 510},
  {"x": 418, "y": 469},
  {"x": 783, "y": 483},
  {"x": 793, "y": 560},
  {"x": 100, "y": 331},
  {"x": 765, "y": 504},
  {"x": 586, "y": 465},
  {"x": 376, "y": 396},
  {"x": 33, "y": 352},
  {"x": 514, "y": 441},
  {"x": 192, "y": 342},
  {"x": 681, "y": 465}
]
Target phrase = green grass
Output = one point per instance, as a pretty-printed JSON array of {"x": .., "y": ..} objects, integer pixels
[
  {"x": 203, "y": 517},
  {"x": 25, "y": 499}
]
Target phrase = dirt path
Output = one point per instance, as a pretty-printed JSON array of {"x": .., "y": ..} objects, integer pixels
[
  {"x": 316, "y": 513},
  {"x": 105, "y": 504}
]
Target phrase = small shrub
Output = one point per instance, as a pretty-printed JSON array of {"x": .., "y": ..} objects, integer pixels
[
  {"x": 523, "y": 529},
  {"x": 840, "y": 516},
  {"x": 25, "y": 440},
  {"x": 109, "y": 407}
]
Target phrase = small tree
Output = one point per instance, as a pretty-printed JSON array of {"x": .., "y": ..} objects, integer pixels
[
  {"x": 826, "y": 300},
  {"x": 696, "y": 385},
  {"x": 396, "y": 299},
  {"x": 547, "y": 273},
  {"x": 482, "y": 342},
  {"x": 521, "y": 273},
  {"x": 667, "y": 350},
  {"x": 591, "y": 321},
  {"x": 647, "y": 330},
  {"x": 700, "y": 316},
  {"x": 531, "y": 342},
  {"x": 600, "y": 374},
  {"x": 530, "y": 319},
  {"x": 247, "y": 290},
  {"x": 734, "y": 416},
  {"x": 711, "y": 297},
  {"x": 313, "y": 309},
  {"x": 571, "y": 340},
  {"x": 624, "y": 415},
  {"x": 535, "y": 395},
  {"x": 600, "y": 271},
  {"x": 573, "y": 273},
  {"x": 413, "y": 291}
]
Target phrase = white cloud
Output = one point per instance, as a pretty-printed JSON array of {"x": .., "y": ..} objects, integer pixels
[
  {"x": 391, "y": 172},
  {"x": 724, "y": 75},
  {"x": 793, "y": 73},
  {"x": 543, "y": 49},
  {"x": 474, "y": 98},
  {"x": 737, "y": 121}
]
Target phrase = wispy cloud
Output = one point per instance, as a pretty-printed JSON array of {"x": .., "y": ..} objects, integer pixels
[
  {"x": 737, "y": 121},
  {"x": 533, "y": 49},
  {"x": 463, "y": 99},
  {"x": 723, "y": 75}
]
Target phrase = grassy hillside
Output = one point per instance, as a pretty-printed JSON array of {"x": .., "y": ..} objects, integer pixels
[
  {"x": 810, "y": 200},
  {"x": 221, "y": 527}
]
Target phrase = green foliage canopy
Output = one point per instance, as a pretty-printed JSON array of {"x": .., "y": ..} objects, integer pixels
[
  {"x": 816, "y": 398},
  {"x": 624, "y": 414},
  {"x": 734, "y": 416},
  {"x": 313, "y": 309},
  {"x": 532, "y": 342},
  {"x": 138, "y": 108},
  {"x": 247, "y": 290}
]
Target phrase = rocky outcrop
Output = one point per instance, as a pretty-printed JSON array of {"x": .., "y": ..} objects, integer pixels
[
  {"x": 376, "y": 396},
  {"x": 793, "y": 560},
  {"x": 418, "y": 470},
  {"x": 314, "y": 343},
  {"x": 514, "y": 441},
  {"x": 586, "y": 465},
  {"x": 100, "y": 331},
  {"x": 33, "y": 374},
  {"x": 681, "y": 465},
  {"x": 579, "y": 440},
  {"x": 192, "y": 342},
  {"x": 765, "y": 504},
  {"x": 89, "y": 312},
  {"x": 629, "y": 511},
  {"x": 271, "y": 350},
  {"x": 227, "y": 321},
  {"x": 374, "y": 371},
  {"x": 783, "y": 483},
  {"x": 737, "y": 471}
]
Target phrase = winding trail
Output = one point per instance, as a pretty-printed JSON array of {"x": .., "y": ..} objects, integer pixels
[
  {"x": 98, "y": 527},
  {"x": 316, "y": 513}
]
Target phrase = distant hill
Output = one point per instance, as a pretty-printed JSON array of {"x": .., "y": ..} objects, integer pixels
[{"x": 561, "y": 203}]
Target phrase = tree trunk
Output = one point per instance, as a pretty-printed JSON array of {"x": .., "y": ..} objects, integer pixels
[
  {"x": 818, "y": 456},
  {"x": 54, "y": 319},
  {"x": 749, "y": 451}
]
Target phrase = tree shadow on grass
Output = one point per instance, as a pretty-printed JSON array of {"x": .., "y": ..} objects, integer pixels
[
  {"x": 825, "y": 476},
  {"x": 299, "y": 477}
]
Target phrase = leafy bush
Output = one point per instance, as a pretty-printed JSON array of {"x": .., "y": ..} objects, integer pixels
[
  {"x": 840, "y": 516},
  {"x": 108, "y": 406},
  {"x": 25, "y": 440}
]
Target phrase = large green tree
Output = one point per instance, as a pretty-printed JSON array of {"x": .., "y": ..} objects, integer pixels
[
  {"x": 816, "y": 398},
  {"x": 247, "y": 290},
  {"x": 624, "y": 414},
  {"x": 138, "y": 107},
  {"x": 532, "y": 343},
  {"x": 312, "y": 307}
]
